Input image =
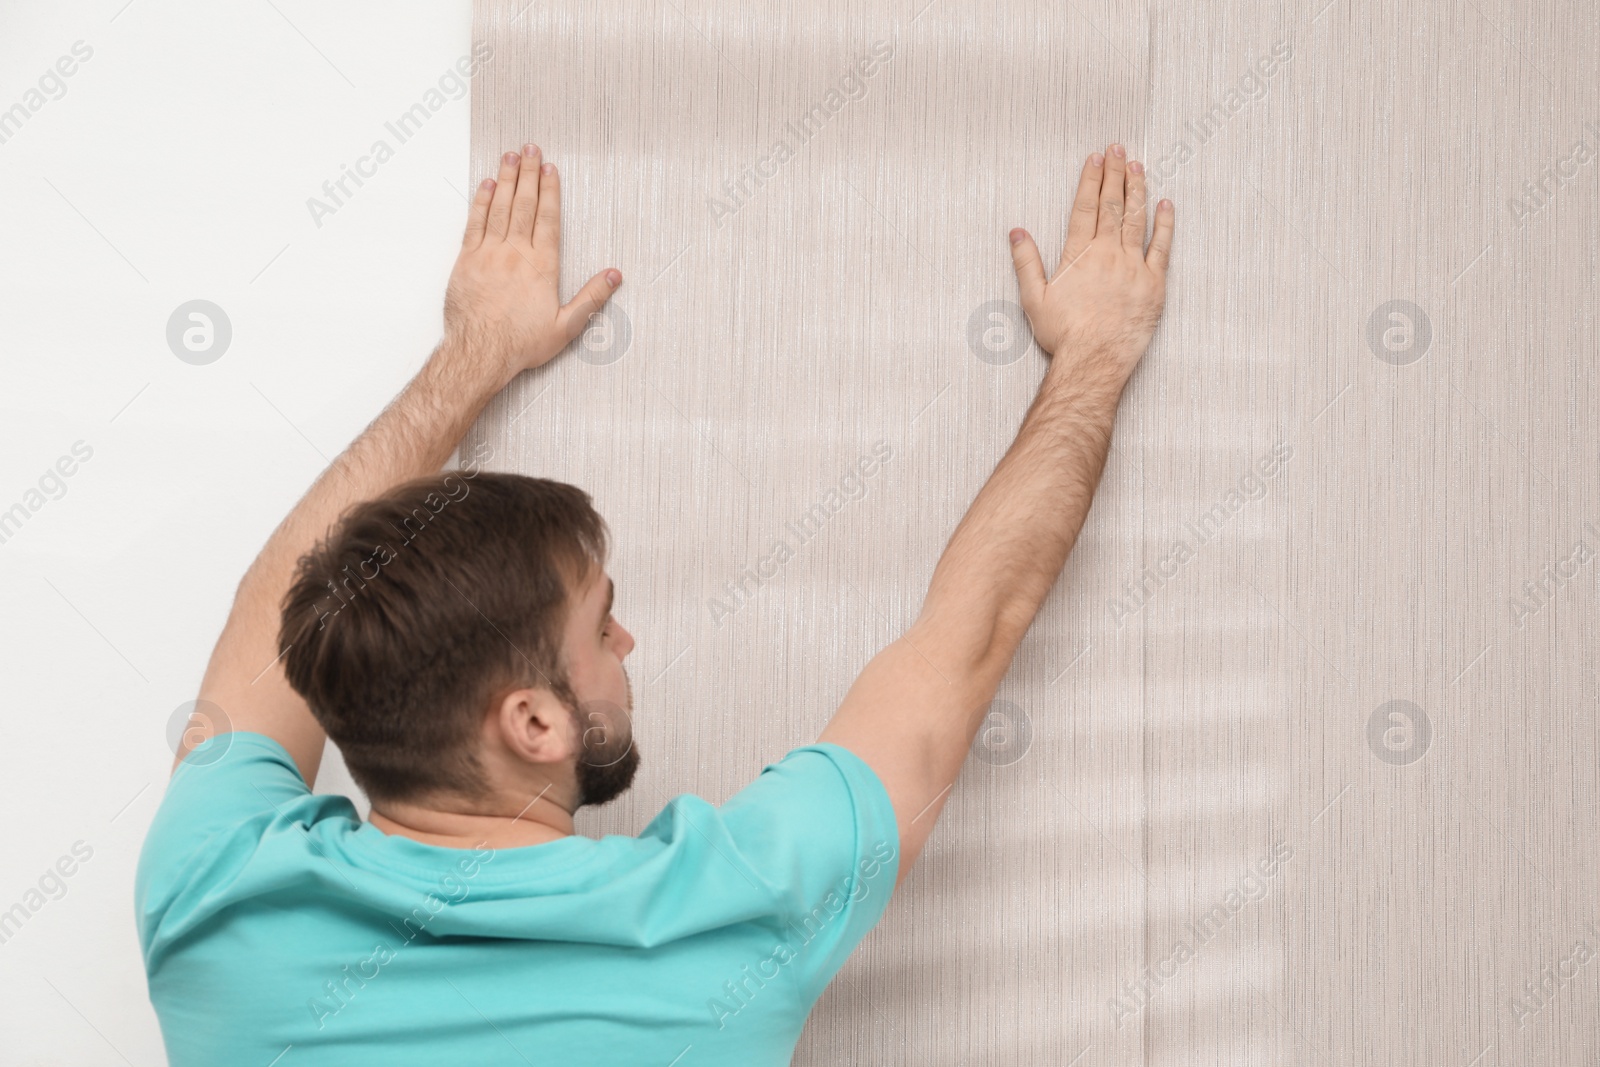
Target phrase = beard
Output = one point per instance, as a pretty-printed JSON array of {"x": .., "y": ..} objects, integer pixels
[{"x": 609, "y": 760}]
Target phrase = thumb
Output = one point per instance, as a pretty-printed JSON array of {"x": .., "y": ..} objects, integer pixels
[
  {"x": 573, "y": 317},
  {"x": 1030, "y": 271}
]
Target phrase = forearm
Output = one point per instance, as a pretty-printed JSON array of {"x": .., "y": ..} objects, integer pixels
[
  {"x": 412, "y": 437},
  {"x": 1010, "y": 547}
]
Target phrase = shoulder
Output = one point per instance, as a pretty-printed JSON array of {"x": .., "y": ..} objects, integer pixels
[
  {"x": 236, "y": 801},
  {"x": 820, "y": 785},
  {"x": 819, "y": 820}
]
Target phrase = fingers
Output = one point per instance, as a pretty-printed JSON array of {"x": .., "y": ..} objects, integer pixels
[
  {"x": 1085, "y": 211},
  {"x": 574, "y": 315},
  {"x": 478, "y": 214},
  {"x": 1133, "y": 218},
  {"x": 1161, "y": 244},
  {"x": 505, "y": 189},
  {"x": 1030, "y": 271},
  {"x": 547, "y": 226},
  {"x": 1111, "y": 193},
  {"x": 525, "y": 201}
]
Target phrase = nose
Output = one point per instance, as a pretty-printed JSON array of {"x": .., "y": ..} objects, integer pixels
[{"x": 626, "y": 639}]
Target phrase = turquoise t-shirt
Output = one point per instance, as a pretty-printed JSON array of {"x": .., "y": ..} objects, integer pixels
[{"x": 279, "y": 928}]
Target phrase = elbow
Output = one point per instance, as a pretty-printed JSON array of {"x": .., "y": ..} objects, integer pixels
[{"x": 972, "y": 652}]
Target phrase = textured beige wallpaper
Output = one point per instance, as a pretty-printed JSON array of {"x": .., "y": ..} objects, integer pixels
[{"x": 1297, "y": 765}]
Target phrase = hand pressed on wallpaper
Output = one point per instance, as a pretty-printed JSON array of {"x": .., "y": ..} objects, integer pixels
[
  {"x": 502, "y": 302},
  {"x": 1101, "y": 307}
]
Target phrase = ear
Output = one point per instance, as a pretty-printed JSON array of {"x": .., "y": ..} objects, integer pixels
[{"x": 535, "y": 726}]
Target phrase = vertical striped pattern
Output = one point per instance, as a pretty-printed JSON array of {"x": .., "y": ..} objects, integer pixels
[{"x": 1185, "y": 840}]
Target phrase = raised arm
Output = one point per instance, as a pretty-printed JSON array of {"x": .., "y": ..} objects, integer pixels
[
  {"x": 503, "y": 315},
  {"x": 913, "y": 712}
]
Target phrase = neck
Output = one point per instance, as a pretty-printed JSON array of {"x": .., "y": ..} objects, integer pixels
[{"x": 537, "y": 821}]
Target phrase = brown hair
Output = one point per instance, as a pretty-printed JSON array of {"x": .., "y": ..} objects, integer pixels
[{"x": 425, "y": 605}]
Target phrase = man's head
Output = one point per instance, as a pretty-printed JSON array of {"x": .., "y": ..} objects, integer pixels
[{"x": 454, "y": 638}]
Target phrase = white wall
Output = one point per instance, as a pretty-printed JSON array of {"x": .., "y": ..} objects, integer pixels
[{"x": 177, "y": 166}]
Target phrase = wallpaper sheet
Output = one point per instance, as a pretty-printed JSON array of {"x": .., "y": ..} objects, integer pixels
[{"x": 1297, "y": 765}]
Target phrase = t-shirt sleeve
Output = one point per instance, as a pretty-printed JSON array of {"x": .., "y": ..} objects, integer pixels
[
  {"x": 818, "y": 826},
  {"x": 229, "y": 792}
]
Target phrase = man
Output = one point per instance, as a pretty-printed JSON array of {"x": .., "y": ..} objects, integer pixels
[{"x": 453, "y": 635}]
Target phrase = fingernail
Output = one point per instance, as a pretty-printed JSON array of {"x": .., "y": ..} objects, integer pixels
[
  {"x": 486, "y": 184},
  {"x": 1165, "y": 205},
  {"x": 548, "y": 168},
  {"x": 530, "y": 150},
  {"x": 1117, "y": 151},
  {"x": 614, "y": 277},
  {"x": 1017, "y": 235},
  {"x": 510, "y": 157},
  {"x": 1097, "y": 160},
  {"x": 1136, "y": 167}
]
